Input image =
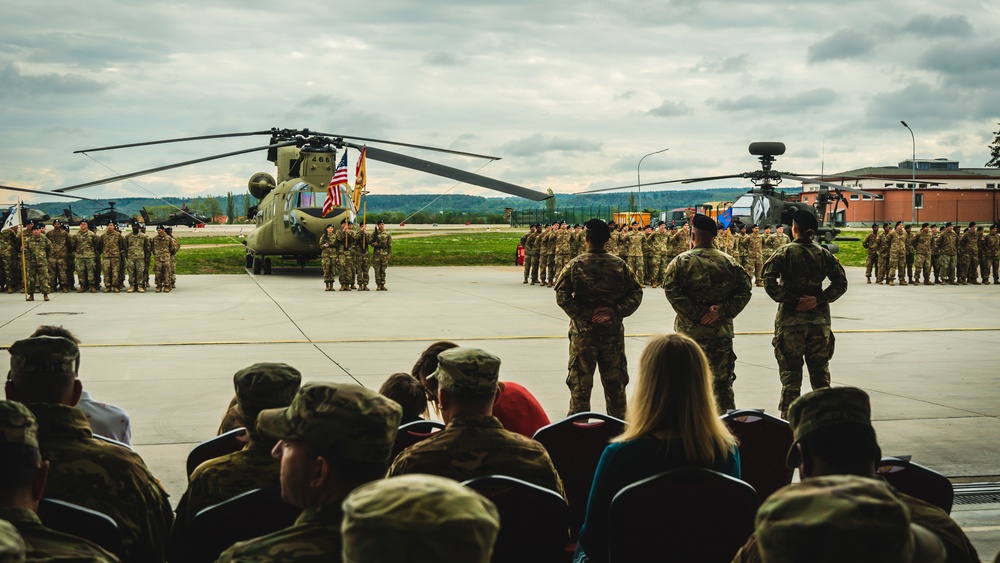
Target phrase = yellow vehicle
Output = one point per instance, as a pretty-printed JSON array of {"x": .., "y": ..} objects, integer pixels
[{"x": 715, "y": 208}]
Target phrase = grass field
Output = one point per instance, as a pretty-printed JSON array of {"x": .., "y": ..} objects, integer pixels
[{"x": 225, "y": 255}]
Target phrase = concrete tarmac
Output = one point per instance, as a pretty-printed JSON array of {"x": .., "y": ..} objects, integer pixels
[{"x": 926, "y": 355}]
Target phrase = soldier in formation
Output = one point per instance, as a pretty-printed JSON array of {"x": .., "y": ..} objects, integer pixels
[
  {"x": 359, "y": 256},
  {"x": 921, "y": 244},
  {"x": 896, "y": 242},
  {"x": 85, "y": 244},
  {"x": 10, "y": 258},
  {"x": 60, "y": 276},
  {"x": 136, "y": 248},
  {"x": 175, "y": 246},
  {"x": 871, "y": 253},
  {"x": 111, "y": 247},
  {"x": 527, "y": 243},
  {"x": 344, "y": 239},
  {"x": 36, "y": 250},
  {"x": 882, "y": 249},
  {"x": 163, "y": 248},
  {"x": 754, "y": 251},
  {"x": 328, "y": 257},
  {"x": 381, "y": 242}
]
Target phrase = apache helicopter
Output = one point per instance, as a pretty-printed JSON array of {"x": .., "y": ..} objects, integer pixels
[
  {"x": 288, "y": 216},
  {"x": 186, "y": 218},
  {"x": 765, "y": 205}
]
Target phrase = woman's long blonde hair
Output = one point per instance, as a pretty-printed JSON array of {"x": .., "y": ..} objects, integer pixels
[{"x": 674, "y": 400}]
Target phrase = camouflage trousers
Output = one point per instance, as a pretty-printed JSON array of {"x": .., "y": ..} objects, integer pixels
[
  {"x": 381, "y": 262},
  {"x": 897, "y": 264},
  {"x": 883, "y": 267},
  {"x": 635, "y": 262},
  {"x": 329, "y": 272},
  {"x": 723, "y": 361},
  {"x": 173, "y": 270},
  {"x": 11, "y": 270},
  {"x": 535, "y": 260},
  {"x": 38, "y": 276},
  {"x": 361, "y": 268},
  {"x": 161, "y": 273},
  {"x": 963, "y": 268},
  {"x": 346, "y": 275},
  {"x": 527, "y": 265},
  {"x": 136, "y": 271},
  {"x": 991, "y": 266},
  {"x": 587, "y": 354},
  {"x": 58, "y": 272},
  {"x": 754, "y": 266},
  {"x": 561, "y": 260},
  {"x": 647, "y": 267},
  {"x": 656, "y": 269},
  {"x": 921, "y": 264},
  {"x": 871, "y": 263},
  {"x": 815, "y": 344},
  {"x": 946, "y": 266},
  {"x": 547, "y": 269},
  {"x": 112, "y": 268},
  {"x": 86, "y": 274}
]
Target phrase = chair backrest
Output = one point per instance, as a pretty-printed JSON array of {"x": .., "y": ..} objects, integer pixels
[
  {"x": 232, "y": 441},
  {"x": 917, "y": 481},
  {"x": 533, "y": 520},
  {"x": 112, "y": 441},
  {"x": 764, "y": 441},
  {"x": 82, "y": 522},
  {"x": 682, "y": 515},
  {"x": 413, "y": 432},
  {"x": 575, "y": 445},
  {"x": 247, "y": 515}
]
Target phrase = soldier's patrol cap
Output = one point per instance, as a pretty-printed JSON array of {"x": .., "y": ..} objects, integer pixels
[
  {"x": 805, "y": 219},
  {"x": 418, "y": 519},
  {"x": 12, "y": 547},
  {"x": 823, "y": 408},
  {"x": 44, "y": 355},
  {"x": 842, "y": 518},
  {"x": 705, "y": 223},
  {"x": 358, "y": 423},
  {"x": 265, "y": 386},
  {"x": 17, "y": 424},
  {"x": 469, "y": 371}
]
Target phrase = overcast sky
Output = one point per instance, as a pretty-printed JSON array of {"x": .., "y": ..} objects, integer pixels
[{"x": 570, "y": 93}]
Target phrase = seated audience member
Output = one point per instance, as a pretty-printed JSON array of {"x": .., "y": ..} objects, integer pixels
[
  {"x": 672, "y": 423},
  {"x": 22, "y": 483},
  {"x": 85, "y": 470},
  {"x": 409, "y": 393},
  {"x": 258, "y": 387},
  {"x": 332, "y": 439},
  {"x": 840, "y": 518},
  {"x": 516, "y": 408},
  {"x": 473, "y": 442},
  {"x": 834, "y": 436},
  {"x": 230, "y": 420},
  {"x": 105, "y": 420},
  {"x": 418, "y": 519}
]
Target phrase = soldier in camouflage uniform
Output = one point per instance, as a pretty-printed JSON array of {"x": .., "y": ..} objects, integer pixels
[
  {"x": 871, "y": 261},
  {"x": 780, "y": 238},
  {"x": 136, "y": 247},
  {"x": 597, "y": 291},
  {"x": 11, "y": 543},
  {"x": 579, "y": 240},
  {"x": 707, "y": 289},
  {"x": 909, "y": 254},
  {"x": 175, "y": 247},
  {"x": 536, "y": 253},
  {"x": 682, "y": 240},
  {"x": 936, "y": 253},
  {"x": 754, "y": 246},
  {"x": 85, "y": 244},
  {"x": 963, "y": 254},
  {"x": 921, "y": 242},
  {"x": 328, "y": 257},
  {"x": 37, "y": 249},
  {"x": 562, "y": 247},
  {"x": 658, "y": 241},
  {"x": 419, "y": 519},
  {"x": 258, "y": 387},
  {"x": 162, "y": 248},
  {"x": 766, "y": 245},
  {"x": 647, "y": 255},
  {"x": 882, "y": 249},
  {"x": 59, "y": 275},
  {"x": 146, "y": 259},
  {"x": 527, "y": 242},
  {"x": 948, "y": 248},
  {"x": 85, "y": 470},
  {"x": 112, "y": 245},
  {"x": 346, "y": 430},
  {"x": 359, "y": 255},
  {"x": 381, "y": 242},
  {"x": 22, "y": 470},
  {"x": 343, "y": 243},
  {"x": 633, "y": 242},
  {"x": 473, "y": 442},
  {"x": 612, "y": 245},
  {"x": 548, "y": 255},
  {"x": 10, "y": 258},
  {"x": 794, "y": 279},
  {"x": 991, "y": 251},
  {"x": 896, "y": 241}
]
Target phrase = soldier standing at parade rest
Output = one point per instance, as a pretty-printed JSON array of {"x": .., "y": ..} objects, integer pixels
[
  {"x": 111, "y": 247},
  {"x": 633, "y": 241},
  {"x": 909, "y": 253},
  {"x": 707, "y": 289},
  {"x": 921, "y": 243},
  {"x": 10, "y": 258},
  {"x": 59, "y": 276},
  {"x": 802, "y": 328},
  {"x": 527, "y": 242},
  {"x": 548, "y": 255},
  {"x": 344, "y": 253},
  {"x": 936, "y": 253},
  {"x": 137, "y": 245},
  {"x": 84, "y": 244},
  {"x": 361, "y": 262},
  {"x": 535, "y": 252},
  {"x": 871, "y": 246},
  {"x": 948, "y": 248},
  {"x": 146, "y": 259},
  {"x": 658, "y": 242},
  {"x": 767, "y": 244},
  {"x": 162, "y": 248},
  {"x": 175, "y": 247},
  {"x": 562, "y": 244},
  {"x": 328, "y": 257},
  {"x": 754, "y": 247},
  {"x": 597, "y": 291},
  {"x": 882, "y": 249},
  {"x": 991, "y": 245},
  {"x": 381, "y": 242},
  {"x": 896, "y": 241},
  {"x": 36, "y": 258}
]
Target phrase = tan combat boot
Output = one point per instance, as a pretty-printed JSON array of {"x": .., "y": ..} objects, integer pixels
[
  {"x": 45, "y": 296},
  {"x": 141, "y": 289}
]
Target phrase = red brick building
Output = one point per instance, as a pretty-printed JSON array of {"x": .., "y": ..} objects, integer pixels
[{"x": 944, "y": 192}]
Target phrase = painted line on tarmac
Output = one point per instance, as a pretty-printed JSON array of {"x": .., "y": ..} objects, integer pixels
[{"x": 480, "y": 338}]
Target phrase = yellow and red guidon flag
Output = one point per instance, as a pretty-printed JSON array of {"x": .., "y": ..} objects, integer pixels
[
  {"x": 333, "y": 190},
  {"x": 360, "y": 179}
]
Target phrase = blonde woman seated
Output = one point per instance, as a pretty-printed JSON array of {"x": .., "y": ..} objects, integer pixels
[{"x": 672, "y": 423}]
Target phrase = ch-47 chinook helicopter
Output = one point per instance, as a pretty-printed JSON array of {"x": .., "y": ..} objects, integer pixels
[
  {"x": 289, "y": 217},
  {"x": 765, "y": 205}
]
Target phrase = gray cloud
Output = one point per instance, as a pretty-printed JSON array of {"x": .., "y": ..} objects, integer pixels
[
  {"x": 442, "y": 59},
  {"x": 92, "y": 51},
  {"x": 925, "y": 25},
  {"x": 626, "y": 95},
  {"x": 669, "y": 109},
  {"x": 539, "y": 143},
  {"x": 14, "y": 83},
  {"x": 818, "y": 97},
  {"x": 844, "y": 44},
  {"x": 724, "y": 65},
  {"x": 963, "y": 59},
  {"x": 929, "y": 107}
]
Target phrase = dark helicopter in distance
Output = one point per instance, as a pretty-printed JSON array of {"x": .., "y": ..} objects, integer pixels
[
  {"x": 186, "y": 218},
  {"x": 764, "y": 204}
]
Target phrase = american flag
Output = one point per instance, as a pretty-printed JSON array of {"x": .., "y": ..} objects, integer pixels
[{"x": 333, "y": 190}]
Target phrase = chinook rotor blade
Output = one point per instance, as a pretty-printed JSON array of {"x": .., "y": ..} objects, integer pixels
[
  {"x": 830, "y": 185},
  {"x": 170, "y": 167},
  {"x": 177, "y": 140},
  {"x": 397, "y": 159},
  {"x": 30, "y": 191},
  {"x": 412, "y": 146}
]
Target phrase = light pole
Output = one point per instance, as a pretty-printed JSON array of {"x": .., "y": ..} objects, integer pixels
[
  {"x": 638, "y": 179},
  {"x": 913, "y": 167}
]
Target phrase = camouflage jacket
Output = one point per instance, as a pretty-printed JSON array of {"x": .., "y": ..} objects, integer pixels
[
  {"x": 682, "y": 241},
  {"x": 778, "y": 240},
  {"x": 612, "y": 245},
  {"x": 59, "y": 238},
  {"x": 532, "y": 247},
  {"x": 104, "y": 477},
  {"x": 896, "y": 241},
  {"x": 315, "y": 537},
  {"x": 870, "y": 243},
  {"x": 562, "y": 241},
  {"x": 922, "y": 243},
  {"x": 547, "y": 243},
  {"x": 797, "y": 270},
  {"x": 44, "y": 544},
  {"x": 477, "y": 446},
  {"x": 658, "y": 242},
  {"x": 634, "y": 243},
  {"x": 9, "y": 242},
  {"x": 948, "y": 243},
  {"x": 700, "y": 278},
  {"x": 579, "y": 243},
  {"x": 882, "y": 243},
  {"x": 991, "y": 246},
  {"x": 597, "y": 279},
  {"x": 381, "y": 241},
  {"x": 967, "y": 244},
  {"x": 162, "y": 247},
  {"x": 136, "y": 246},
  {"x": 343, "y": 240},
  {"x": 327, "y": 242},
  {"x": 84, "y": 245},
  {"x": 754, "y": 245},
  {"x": 111, "y": 243},
  {"x": 37, "y": 250},
  {"x": 359, "y": 242}
]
